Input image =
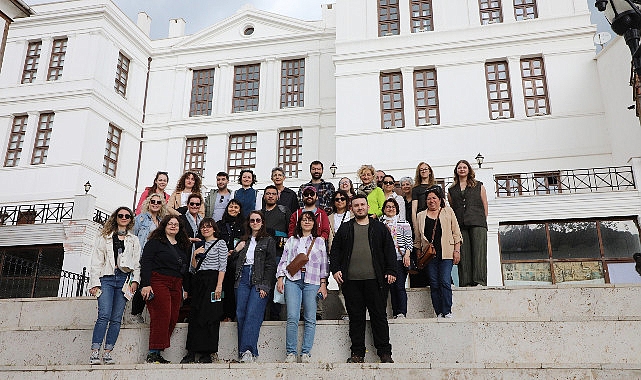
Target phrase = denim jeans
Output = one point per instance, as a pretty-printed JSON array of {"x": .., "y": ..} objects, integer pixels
[
  {"x": 439, "y": 272},
  {"x": 295, "y": 293},
  {"x": 111, "y": 306},
  {"x": 398, "y": 294},
  {"x": 250, "y": 311}
]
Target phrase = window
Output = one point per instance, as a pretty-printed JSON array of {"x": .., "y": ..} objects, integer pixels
[
  {"x": 392, "y": 100},
  {"x": 547, "y": 183},
  {"x": 16, "y": 139},
  {"x": 490, "y": 11},
  {"x": 43, "y": 136},
  {"x": 122, "y": 73},
  {"x": 246, "y": 82},
  {"x": 290, "y": 158},
  {"x": 111, "y": 150},
  {"x": 498, "y": 90},
  {"x": 58, "y": 51},
  {"x": 534, "y": 87},
  {"x": 31, "y": 62},
  {"x": 195, "y": 150},
  {"x": 508, "y": 185},
  {"x": 388, "y": 23},
  {"x": 242, "y": 154},
  {"x": 292, "y": 83},
  {"x": 421, "y": 11},
  {"x": 577, "y": 251},
  {"x": 426, "y": 97},
  {"x": 202, "y": 92},
  {"x": 525, "y": 9}
]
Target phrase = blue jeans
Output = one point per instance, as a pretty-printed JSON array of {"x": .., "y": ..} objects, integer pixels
[
  {"x": 439, "y": 272},
  {"x": 111, "y": 306},
  {"x": 398, "y": 294},
  {"x": 250, "y": 311},
  {"x": 295, "y": 293}
]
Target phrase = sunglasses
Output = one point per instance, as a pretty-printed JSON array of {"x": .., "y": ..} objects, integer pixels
[
  {"x": 124, "y": 216},
  {"x": 339, "y": 199},
  {"x": 257, "y": 220},
  {"x": 153, "y": 202},
  {"x": 309, "y": 195},
  {"x": 194, "y": 204},
  {"x": 222, "y": 198},
  {"x": 388, "y": 182}
]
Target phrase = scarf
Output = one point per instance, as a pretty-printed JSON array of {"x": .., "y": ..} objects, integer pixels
[
  {"x": 391, "y": 223},
  {"x": 193, "y": 222},
  {"x": 366, "y": 189}
]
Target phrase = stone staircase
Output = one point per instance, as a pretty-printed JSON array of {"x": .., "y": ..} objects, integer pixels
[{"x": 551, "y": 332}]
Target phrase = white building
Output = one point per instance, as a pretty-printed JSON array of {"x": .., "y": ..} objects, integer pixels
[{"x": 86, "y": 95}]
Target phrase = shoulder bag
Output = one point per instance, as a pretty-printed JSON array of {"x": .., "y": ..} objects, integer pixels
[
  {"x": 423, "y": 256},
  {"x": 300, "y": 260}
]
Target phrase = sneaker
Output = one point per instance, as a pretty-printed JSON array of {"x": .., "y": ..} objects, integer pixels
[
  {"x": 439, "y": 316},
  {"x": 345, "y": 317},
  {"x": 155, "y": 357},
  {"x": 107, "y": 359},
  {"x": 386, "y": 358},
  {"x": 214, "y": 357},
  {"x": 356, "y": 359},
  {"x": 291, "y": 358},
  {"x": 448, "y": 315},
  {"x": 95, "y": 358},
  {"x": 305, "y": 358},
  {"x": 189, "y": 358},
  {"x": 136, "y": 319},
  {"x": 247, "y": 357},
  {"x": 399, "y": 316}
]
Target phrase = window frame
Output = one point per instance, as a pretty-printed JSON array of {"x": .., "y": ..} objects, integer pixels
[
  {"x": 31, "y": 62},
  {"x": 195, "y": 155},
  {"x": 513, "y": 185},
  {"x": 425, "y": 89},
  {"x": 532, "y": 79},
  {"x": 292, "y": 86},
  {"x": 42, "y": 139},
  {"x": 391, "y": 92},
  {"x": 112, "y": 147},
  {"x": 14, "y": 148},
  {"x": 498, "y": 82},
  {"x": 291, "y": 139},
  {"x": 550, "y": 188},
  {"x": 122, "y": 74},
  {"x": 239, "y": 89},
  {"x": 524, "y": 7},
  {"x": 487, "y": 14},
  {"x": 233, "y": 169},
  {"x": 421, "y": 19},
  {"x": 386, "y": 20},
  {"x": 202, "y": 92},
  {"x": 57, "y": 59}
]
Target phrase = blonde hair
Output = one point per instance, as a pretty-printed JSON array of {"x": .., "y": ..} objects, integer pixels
[
  {"x": 163, "y": 209},
  {"x": 363, "y": 168}
]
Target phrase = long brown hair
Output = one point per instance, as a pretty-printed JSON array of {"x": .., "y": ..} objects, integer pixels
[
  {"x": 417, "y": 176},
  {"x": 160, "y": 234},
  {"x": 180, "y": 186},
  {"x": 262, "y": 233},
  {"x": 471, "y": 177},
  {"x": 111, "y": 225},
  {"x": 154, "y": 187}
]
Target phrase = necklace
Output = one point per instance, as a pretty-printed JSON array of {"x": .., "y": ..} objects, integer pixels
[{"x": 122, "y": 233}]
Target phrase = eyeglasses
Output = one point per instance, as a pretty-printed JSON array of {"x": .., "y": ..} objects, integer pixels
[
  {"x": 339, "y": 199},
  {"x": 153, "y": 202},
  {"x": 207, "y": 226},
  {"x": 257, "y": 220},
  {"x": 173, "y": 224},
  {"x": 124, "y": 216},
  {"x": 388, "y": 182},
  {"x": 309, "y": 195},
  {"x": 424, "y": 170},
  {"x": 194, "y": 204}
]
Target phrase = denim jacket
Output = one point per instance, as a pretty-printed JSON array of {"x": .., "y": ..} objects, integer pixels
[
  {"x": 264, "y": 273},
  {"x": 143, "y": 227}
]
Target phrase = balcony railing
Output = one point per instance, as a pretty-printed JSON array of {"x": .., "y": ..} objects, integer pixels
[
  {"x": 100, "y": 217},
  {"x": 38, "y": 213},
  {"x": 565, "y": 181}
]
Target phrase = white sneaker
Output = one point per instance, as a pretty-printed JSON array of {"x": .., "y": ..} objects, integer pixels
[
  {"x": 305, "y": 358},
  {"x": 247, "y": 357},
  {"x": 448, "y": 315},
  {"x": 439, "y": 316},
  {"x": 291, "y": 358},
  {"x": 399, "y": 316},
  {"x": 95, "y": 358},
  {"x": 107, "y": 359}
]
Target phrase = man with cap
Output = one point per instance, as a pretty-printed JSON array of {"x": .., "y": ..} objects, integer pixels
[{"x": 309, "y": 204}]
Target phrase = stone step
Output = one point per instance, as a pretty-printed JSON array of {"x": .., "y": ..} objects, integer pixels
[{"x": 459, "y": 371}]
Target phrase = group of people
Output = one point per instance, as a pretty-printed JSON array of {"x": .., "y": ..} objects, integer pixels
[{"x": 232, "y": 253}]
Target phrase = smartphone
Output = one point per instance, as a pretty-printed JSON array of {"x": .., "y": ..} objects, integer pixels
[
  {"x": 150, "y": 297},
  {"x": 98, "y": 293},
  {"x": 319, "y": 295},
  {"x": 214, "y": 299}
]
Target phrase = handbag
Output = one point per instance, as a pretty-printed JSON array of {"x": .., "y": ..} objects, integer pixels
[
  {"x": 423, "y": 256},
  {"x": 278, "y": 296},
  {"x": 413, "y": 268},
  {"x": 299, "y": 261}
]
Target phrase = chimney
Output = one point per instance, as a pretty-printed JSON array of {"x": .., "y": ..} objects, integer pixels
[
  {"x": 144, "y": 22},
  {"x": 176, "y": 27},
  {"x": 329, "y": 15}
]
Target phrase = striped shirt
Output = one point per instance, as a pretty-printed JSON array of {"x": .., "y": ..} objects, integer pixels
[
  {"x": 216, "y": 258},
  {"x": 316, "y": 268},
  {"x": 401, "y": 232}
]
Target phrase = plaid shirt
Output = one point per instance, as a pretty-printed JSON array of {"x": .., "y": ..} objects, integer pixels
[
  {"x": 325, "y": 192},
  {"x": 316, "y": 268}
]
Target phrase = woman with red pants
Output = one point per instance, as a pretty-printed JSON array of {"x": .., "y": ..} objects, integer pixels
[{"x": 163, "y": 264}]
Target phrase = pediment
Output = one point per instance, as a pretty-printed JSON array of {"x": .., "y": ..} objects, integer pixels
[{"x": 266, "y": 26}]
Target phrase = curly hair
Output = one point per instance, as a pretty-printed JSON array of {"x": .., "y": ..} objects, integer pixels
[
  {"x": 111, "y": 225},
  {"x": 240, "y": 176},
  {"x": 365, "y": 167},
  {"x": 180, "y": 186},
  {"x": 163, "y": 208},
  {"x": 160, "y": 234}
]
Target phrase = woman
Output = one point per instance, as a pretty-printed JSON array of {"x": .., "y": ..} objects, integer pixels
[
  {"x": 402, "y": 235},
  {"x": 374, "y": 194},
  {"x": 115, "y": 259},
  {"x": 346, "y": 185},
  {"x": 189, "y": 183},
  {"x": 468, "y": 198},
  {"x": 439, "y": 222},
  {"x": 255, "y": 274},
  {"x": 209, "y": 262},
  {"x": 304, "y": 285},
  {"x": 160, "y": 183},
  {"x": 250, "y": 198},
  {"x": 389, "y": 184},
  {"x": 341, "y": 204},
  {"x": 163, "y": 264},
  {"x": 406, "y": 189},
  {"x": 231, "y": 229},
  {"x": 423, "y": 180},
  {"x": 153, "y": 211}
]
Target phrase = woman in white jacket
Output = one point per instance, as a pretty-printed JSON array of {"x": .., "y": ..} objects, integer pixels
[{"x": 115, "y": 259}]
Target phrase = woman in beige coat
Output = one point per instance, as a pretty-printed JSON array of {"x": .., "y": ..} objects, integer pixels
[{"x": 437, "y": 225}]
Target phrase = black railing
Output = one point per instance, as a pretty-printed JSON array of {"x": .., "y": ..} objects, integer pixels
[
  {"x": 100, "y": 217},
  {"x": 20, "y": 278},
  {"x": 35, "y": 213},
  {"x": 565, "y": 181}
]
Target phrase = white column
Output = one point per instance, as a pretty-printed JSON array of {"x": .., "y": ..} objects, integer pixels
[
  {"x": 312, "y": 80},
  {"x": 267, "y": 93},
  {"x": 266, "y": 155},
  {"x": 494, "y": 272},
  {"x": 182, "y": 92},
  {"x": 473, "y": 12},
  {"x": 508, "y": 11},
  {"x": 404, "y": 17},
  {"x": 518, "y": 101},
  {"x": 225, "y": 89},
  {"x": 29, "y": 137},
  {"x": 216, "y": 108},
  {"x": 43, "y": 62},
  {"x": 409, "y": 109}
]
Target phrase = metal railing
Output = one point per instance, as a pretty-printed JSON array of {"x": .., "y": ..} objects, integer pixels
[
  {"x": 100, "y": 217},
  {"x": 35, "y": 213},
  {"x": 20, "y": 278},
  {"x": 565, "y": 181}
]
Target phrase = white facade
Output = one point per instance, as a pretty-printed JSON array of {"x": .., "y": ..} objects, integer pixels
[{"x": 587, "y": 126}]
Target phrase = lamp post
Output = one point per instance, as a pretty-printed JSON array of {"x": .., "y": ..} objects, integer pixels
[
  {"x": 479, "y": 159},
  {"x": 625, "y": 18},
  {"x": 333, "y": 170},
  {"x": 87, "y": 187}
]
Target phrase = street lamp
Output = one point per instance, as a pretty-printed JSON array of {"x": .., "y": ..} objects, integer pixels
[
  {"x": 625, "y": 18},
  {"x": 87, "y": 187},
  {"x": 479, "y": 159},
  {"x": 333, "y": 170}
]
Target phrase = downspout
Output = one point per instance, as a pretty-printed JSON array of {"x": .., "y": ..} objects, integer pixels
[{"x": 142, "y": 131}]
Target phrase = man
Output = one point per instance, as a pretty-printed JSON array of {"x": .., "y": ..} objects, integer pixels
[
  {"x": 379, "y": 178},
  {"x": 218, "y": 198},
  {"x": 276, "y": 222},
  {"x": 324, "y": 190},
  {"x": 286, "y": 196},
  {"x": 310, "y": 199},
  {"x": 363, "y": 260}
]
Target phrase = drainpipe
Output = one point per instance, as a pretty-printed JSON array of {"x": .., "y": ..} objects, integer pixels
[{"x": 142, "y": 131}]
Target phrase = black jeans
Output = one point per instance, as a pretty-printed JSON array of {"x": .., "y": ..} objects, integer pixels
[{"x": 359, "y": 295}]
